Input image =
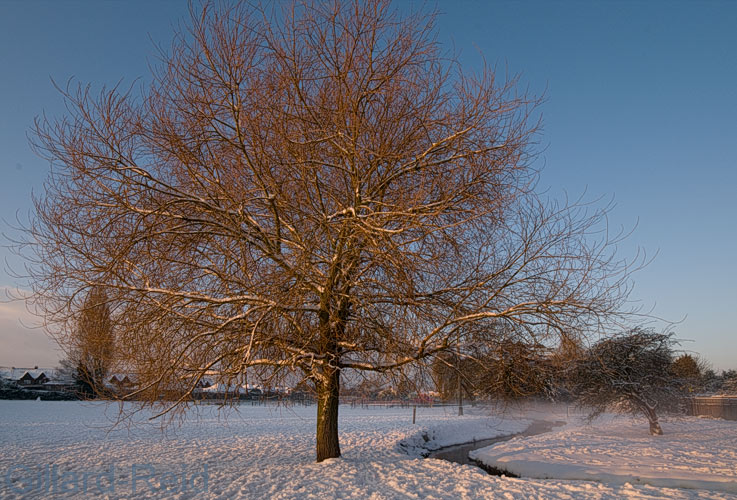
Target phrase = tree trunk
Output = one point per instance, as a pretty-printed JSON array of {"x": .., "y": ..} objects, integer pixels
[
  {"x": 327, "y": 415},
  {"x": 652, "y": 417}
]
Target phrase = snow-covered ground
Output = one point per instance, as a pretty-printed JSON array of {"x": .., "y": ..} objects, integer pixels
[
  {"x": 268, "y": 452},
  {"x": 694, "y": 453}
]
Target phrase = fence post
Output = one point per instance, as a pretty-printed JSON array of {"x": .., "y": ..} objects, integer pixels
[{"x": 414, "y": 414}]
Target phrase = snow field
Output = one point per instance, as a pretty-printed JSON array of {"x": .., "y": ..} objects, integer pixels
[{"x": 265, "y": 452}]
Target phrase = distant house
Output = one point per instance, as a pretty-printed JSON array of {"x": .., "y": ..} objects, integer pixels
[
  {"x": 45, "y": 378},
  {"x": 31, "y": 378},
  {"x": 48, "y": 384},
  {"x": 121, "y": 382},
  {"x": 124, "y": 380},
  {"x": 26, "y": 379},
  {"x": 203, "y": 383},
  {"x": 35, "y": 378}
]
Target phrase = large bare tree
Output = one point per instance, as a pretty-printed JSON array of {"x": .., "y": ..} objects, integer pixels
[{"x": 306, "y": 193}]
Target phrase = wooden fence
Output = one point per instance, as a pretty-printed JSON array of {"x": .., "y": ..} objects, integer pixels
[{"x": 714, "y": 406}]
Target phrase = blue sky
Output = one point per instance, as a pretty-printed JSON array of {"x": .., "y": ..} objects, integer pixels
[{"x": 641, "y": 106}]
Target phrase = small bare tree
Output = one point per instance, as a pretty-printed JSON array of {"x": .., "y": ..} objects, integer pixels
[
  {"x": 90, "y": 344},
  {"x": 515, "y": 370},
  {"x": 453, "y": 374},
  {"x": 506, "y": 365},
  {"x": 308, "y": 194},
  {"x": 688, "y": 369},
  {"x": 728, "y": 382},
  {"x": 630, "y": 372}
]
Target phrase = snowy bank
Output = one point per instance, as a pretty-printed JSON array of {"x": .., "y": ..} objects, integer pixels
[
  {"x": 458, "y": 431},
  {"x": 694, "y": 453}
]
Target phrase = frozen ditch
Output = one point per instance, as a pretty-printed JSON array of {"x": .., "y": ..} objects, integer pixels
[{"x": 459, "y": 453}]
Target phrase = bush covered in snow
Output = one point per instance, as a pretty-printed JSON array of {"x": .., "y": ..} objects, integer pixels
[{"x": 629, "y": 372}]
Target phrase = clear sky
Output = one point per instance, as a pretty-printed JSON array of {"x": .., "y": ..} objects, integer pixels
[{"x": 641, "y": 106}]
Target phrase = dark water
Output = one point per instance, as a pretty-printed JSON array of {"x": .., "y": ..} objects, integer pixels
[{"x": 459, "y": 453}]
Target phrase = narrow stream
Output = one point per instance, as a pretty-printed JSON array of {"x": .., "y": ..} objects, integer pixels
[{"x": 459, "y": 453}]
